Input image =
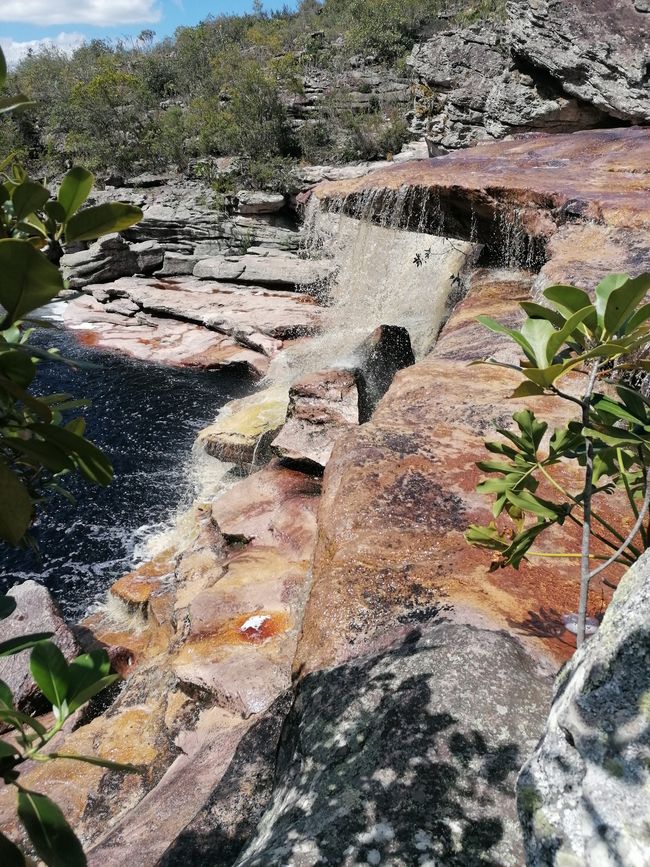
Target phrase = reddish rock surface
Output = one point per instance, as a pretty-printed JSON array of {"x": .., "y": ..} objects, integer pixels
[
  {"x": 535, "y": 184},
  {"x": 322, "y": 406},
  {"x": 399, "y": 493}
]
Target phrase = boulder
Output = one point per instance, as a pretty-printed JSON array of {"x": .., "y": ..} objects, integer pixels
[
  {"x": 584, "y": 796},
  {"x": 387, "y": 350},
  {"x": 244, "y": 428},
  {"x": 35, "y": 612},
  {"x": 322, "y": 405},
  {"x": 259, "y": 202},
  {"x": 177, "y": 265},
  {"x": 406, "y": 757}
]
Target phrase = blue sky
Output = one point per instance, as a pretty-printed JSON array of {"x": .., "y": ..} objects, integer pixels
[{"x": 26, "y": 23}]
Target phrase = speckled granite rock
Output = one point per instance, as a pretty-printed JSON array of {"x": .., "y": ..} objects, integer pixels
[
  {"x": 406, "y": 758},
  {"x": 584, "y": 797}
]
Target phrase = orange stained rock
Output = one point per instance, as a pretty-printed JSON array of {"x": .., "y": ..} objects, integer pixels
[
  {"x": 399, "y": 493},
  {"x": 599, "y": 175},
  {"x": 254, "y": 628},
  {"x": 136, "y": 587}
]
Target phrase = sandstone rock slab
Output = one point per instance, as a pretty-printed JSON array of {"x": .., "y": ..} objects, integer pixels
[
  {"x": 407, "y": 757},
  {"x": 285, "y": 271}
]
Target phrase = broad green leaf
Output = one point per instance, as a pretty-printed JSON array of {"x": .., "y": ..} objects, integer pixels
[
  {"x": 531, "y": 428},
  {"x": 613, "y": 407},
  {"x": 7, "y": 751},
  {"x": 537, "y": 333},
  {"x": 51, "y": 836},
  {"x": 39, "y": 453},
  {"x": 622, "y": 302},
  {"x": 17, "y": 366},
  {"x": 641, "y": 316},
  {"x": 604, "y": 290},
  {"x": 527, "y": 389},
  {"x": 486, "y": 537},
  {"x": 55, "y": 211},
  {"x": 29, "y": 197},
  {"x": 75, "y": 189},
  {"x": 498, "y": 467},
  {"x": 497, "y": 327},
  {"x": 18, "y": 720},
  {"x": 16, "y": 508},
  {"x": 560, "y": 337},
  {"x": 10, "y": 854},
  {"x": 6, "y": 696},
  {"x": 102, "y": 763},
  {"x": 101, "y": 220},
  {"x": 567, "y": 299},
  {"x": 7, "y": 606},
  {"x": 29, "y": 280},
  {"x": 89, "y": 692},
  {"x": 9, "y": 103},
  {"x": 538, "y": 311},
  {"x": 563, "y": 440},
  {"x": 33, "y": 403},
  {"x": 527, "y": 502},
  {"x": 50, "y": 671},
  {"x": 93, "y": 464},
  {"x": 24, "y": 642}
]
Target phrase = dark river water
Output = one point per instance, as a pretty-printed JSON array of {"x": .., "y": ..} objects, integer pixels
[{"x": 146, "y": 418}]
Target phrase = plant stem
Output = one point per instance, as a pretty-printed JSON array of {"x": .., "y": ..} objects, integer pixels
[
  {"x": 635, "y": 529},
  {"x": 585, "y": 575}
]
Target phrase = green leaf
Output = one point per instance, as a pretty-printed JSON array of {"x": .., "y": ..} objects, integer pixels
[
  {"x": 50, "y": 671},
  {"x": 527, "y": 389},
  {"x": 102, "y": 763},
  {"x": 486, "y": 537},
  {"x": 10, "y": 854},
  {"x": 7, "y": 751},
  {"x": 28, "y": 279},
  {"x": 498, "y": 328},
  {"x": 16, "y": 508},
  {"x": 85, "y": 695},
  {"x": 612, "y": 407},
  {"x": 604, "y": 290},
  {"x": 55, "y": 211},
  {"x": 52, "y": 837},
  {"x": 622, "y": 302},
  {"x": 101, "y": 220},
  {"x": 641, "y": 316},
  {"x": 538, "y": 332},
  {"x": 568, "y": 299},
  {"x": 39, "y": 454},
  {"x": 537, "y": 311},
  {"x": 9, "y": 103},
  {"x": 92, "y": 462},
  {"x": 7, "y": 606},
  {"x": 527, "y": 502},
  {"x": 23, "y": 642},
  {"x": 18, "y": 719},
  {"x": 560, "y": 337},
  {"x": 28, "y": 198},
  {"x": 6, "y": 697},
  {"x": 532, "y": 430},
  {"x": 74, "y": 191}
]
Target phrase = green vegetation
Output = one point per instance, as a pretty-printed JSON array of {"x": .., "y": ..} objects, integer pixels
[
  {"x": 66, "y": 687},
  {"x": 39, "y": 446},
  {"x": 224, "y": 87},
  {"x": 609, "y": 440}
]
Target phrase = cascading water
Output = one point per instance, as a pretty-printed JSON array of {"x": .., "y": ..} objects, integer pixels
[{"x": 377, "y": 281}]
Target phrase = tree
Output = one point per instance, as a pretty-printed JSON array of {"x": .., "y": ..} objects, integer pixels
[{"x": 609, "y": 439}]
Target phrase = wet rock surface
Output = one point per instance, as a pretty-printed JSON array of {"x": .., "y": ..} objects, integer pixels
[
  {"x": 407, "y": 757},
  {"x": 583, "y": 796},
  {"x": 322, "y": 406},
  {"x": 35, "y": 612}
]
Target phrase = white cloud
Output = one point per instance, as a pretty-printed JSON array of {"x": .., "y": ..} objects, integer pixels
[
  {"x": 15, "y": 51},
  {"x": 98, "y": 12}
]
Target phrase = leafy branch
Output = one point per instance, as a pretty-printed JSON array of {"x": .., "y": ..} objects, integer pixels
[{"x": 609, "y": 440}]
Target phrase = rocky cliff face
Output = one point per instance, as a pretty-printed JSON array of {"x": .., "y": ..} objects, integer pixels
[{"x": 549, "y": 66}]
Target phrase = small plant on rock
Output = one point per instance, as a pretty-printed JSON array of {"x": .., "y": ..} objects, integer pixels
[{"x": 599, "y": 344}]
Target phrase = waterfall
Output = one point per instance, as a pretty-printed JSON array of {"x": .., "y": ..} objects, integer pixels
[{"x": 384, "y": 275}]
